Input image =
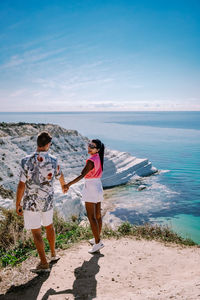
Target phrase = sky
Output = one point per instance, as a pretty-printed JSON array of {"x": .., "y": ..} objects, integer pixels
[{"x": 92, "y": 55}]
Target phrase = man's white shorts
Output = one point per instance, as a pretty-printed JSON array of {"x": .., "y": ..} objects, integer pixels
[{"x": 34, "y": 219}]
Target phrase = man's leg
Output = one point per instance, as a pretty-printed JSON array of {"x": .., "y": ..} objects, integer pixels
[
  {"x": 91, "y": 213},
  {"x": 39, "y": 243},
  {"x": 51, "y": 237}
]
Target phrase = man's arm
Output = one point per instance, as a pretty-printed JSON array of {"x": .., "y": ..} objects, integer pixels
[
  {"x": 19, "y": 196},
  {"x": 62, "y": 182}
]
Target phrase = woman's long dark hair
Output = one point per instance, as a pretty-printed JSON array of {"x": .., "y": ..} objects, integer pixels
[{"x": 100, "y": 147}]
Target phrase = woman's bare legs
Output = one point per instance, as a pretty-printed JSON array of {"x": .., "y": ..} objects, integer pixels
[
  {"x": 98, "y": 216},
  {"x": 91, "y": 213}
]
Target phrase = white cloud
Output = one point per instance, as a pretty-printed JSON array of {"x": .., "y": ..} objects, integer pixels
[
  {"x": 13, "y": 62},
  {"x": 30, "y": 57},
  {"x": 65, "y": 104},
  {"x": 18, "y": 93}
]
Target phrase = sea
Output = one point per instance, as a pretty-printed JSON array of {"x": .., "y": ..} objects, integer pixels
[{"x": 170, "y": 140}]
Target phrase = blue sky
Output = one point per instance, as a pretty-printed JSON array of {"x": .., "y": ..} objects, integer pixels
[{"x": 99, "y": 55}]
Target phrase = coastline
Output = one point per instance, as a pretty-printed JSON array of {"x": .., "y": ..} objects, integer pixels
[
  {"x": 162, "y": 197},
  {"x": 70, "y": 147}
]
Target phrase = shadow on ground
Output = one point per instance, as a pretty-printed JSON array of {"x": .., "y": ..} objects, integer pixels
[
  {"x": 85, "y": 284},
  {"x": 29, "y": 290}
]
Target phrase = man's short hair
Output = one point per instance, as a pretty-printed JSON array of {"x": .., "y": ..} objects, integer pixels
[{"x": 43, "y": 139}]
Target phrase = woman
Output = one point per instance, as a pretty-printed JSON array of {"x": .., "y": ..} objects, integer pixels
[{"x": 93, "y": 191}]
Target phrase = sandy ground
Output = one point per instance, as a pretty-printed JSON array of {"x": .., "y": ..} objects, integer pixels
[{"x": 125, "y": 269}]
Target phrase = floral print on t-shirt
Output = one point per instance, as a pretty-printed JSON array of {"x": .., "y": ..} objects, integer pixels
[{"x": 38, "y": 171}]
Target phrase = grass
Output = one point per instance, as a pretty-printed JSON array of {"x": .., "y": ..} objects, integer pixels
[{"x": 16, "y": 243}]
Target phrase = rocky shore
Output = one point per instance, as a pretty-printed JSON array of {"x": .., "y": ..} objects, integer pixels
[{"x": 19, "y": 139}]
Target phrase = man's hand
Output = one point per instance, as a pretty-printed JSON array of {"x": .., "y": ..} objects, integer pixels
[
  {"x": 19, "y": 196},
  {"x": 19, "y": 210}
]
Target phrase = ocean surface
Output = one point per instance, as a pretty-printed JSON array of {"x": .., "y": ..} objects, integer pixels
[{"x": 170, "y": 140}]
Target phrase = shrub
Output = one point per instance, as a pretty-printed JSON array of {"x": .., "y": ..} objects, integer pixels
[
  {"x": 16, "y": 244},
  {"x": 11, "y": 228},
  {"x": 125, "y": 228}
]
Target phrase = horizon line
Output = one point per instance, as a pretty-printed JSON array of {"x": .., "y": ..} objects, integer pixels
[{"x": 95, "y": 111}]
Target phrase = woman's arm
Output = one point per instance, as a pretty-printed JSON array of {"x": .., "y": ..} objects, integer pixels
[{"x": 88, "y": 167}]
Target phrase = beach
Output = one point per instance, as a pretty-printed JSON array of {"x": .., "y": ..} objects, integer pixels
[{"x": 125, "y": 269}]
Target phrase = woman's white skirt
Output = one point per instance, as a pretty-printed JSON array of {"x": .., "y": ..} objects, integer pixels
[{"x": 93, "y": 190}]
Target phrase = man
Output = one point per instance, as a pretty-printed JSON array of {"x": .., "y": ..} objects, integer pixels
[{"x": 38, "y": 171}]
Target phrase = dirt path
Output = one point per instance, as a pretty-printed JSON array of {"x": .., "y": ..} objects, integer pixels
[{"x": 125, "y": 269}]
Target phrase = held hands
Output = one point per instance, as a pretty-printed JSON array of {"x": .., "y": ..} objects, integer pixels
[{"x": 65, "y": 188}]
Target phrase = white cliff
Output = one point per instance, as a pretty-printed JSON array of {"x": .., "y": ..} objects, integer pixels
[
  {"x": 120, "y": 167},
  {"x": 18, "y": 140}
]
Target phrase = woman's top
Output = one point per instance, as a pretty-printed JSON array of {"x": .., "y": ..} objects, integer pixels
[{"x": 96, "y": 172}]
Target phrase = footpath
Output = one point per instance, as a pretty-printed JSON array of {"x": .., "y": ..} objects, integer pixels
[{"x": 125, "y": 269}]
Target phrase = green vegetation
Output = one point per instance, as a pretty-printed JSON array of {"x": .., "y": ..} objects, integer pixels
[
  {"x": 16, "y": 243},
  {"x": 154, "y": 232},
  {"x": 5, "y": 193}
]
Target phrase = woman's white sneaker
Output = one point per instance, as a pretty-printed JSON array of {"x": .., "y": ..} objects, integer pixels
[
  {"x": 92, "y": 241},
  {"x": 96, "y": 247}
]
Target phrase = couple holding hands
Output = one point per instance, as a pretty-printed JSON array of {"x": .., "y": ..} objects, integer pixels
[{"x": 35, "y": 187}]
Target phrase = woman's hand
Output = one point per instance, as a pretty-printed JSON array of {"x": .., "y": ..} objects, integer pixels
[{"x": 88, "y": 167}]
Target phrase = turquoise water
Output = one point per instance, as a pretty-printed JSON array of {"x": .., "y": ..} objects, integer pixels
[{"x": 171, "y": 141}]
